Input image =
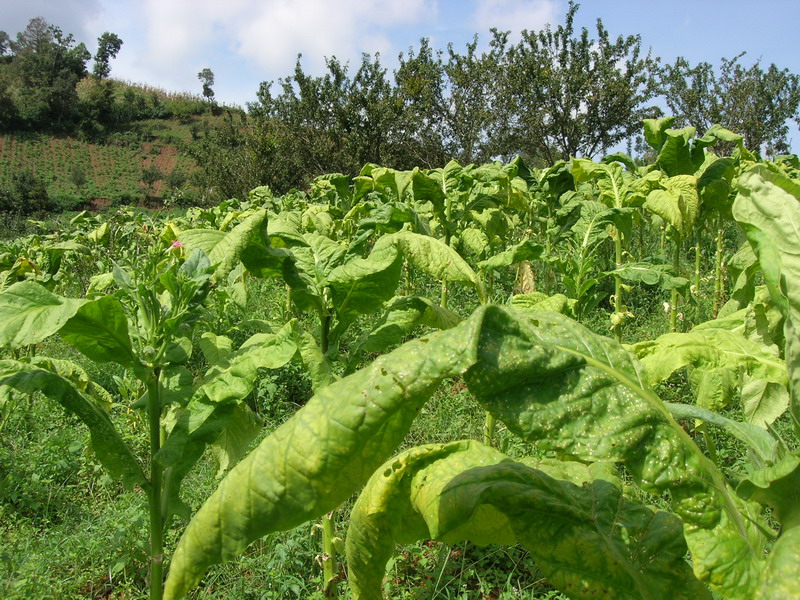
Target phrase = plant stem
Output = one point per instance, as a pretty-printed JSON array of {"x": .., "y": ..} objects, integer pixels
[
  {"x": 618, "y": 308},
  {"x": 489, "y": 426},
  {"x": 718, "y": 269},
  {"x": 154, "y": 499},
  {"x": 330, "y": 589},
  {"x": 673, "y": 303},
  {"x": 325, "y": 332},
  {"x": 697, "y": 264}
]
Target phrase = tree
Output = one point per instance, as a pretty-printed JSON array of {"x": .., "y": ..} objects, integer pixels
[
  {"x": 421, "y": 89},
  {"x": 753, "y": 102},
  {"x": 46, "y": 68},
  {"x": 564, "y": 95},
  {"x": 206, "y": 76},
  {"x": 26, "y": 195},
  {"x": 470, "y": 100},
  {"x": 5, "y": 43},
  {"x": 108, "y": 45}
]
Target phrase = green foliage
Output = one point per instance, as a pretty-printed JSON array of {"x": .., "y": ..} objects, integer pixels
[
  {"x": 26, "y": 194},
  {"x": 212, "y": 323},
  {"x": 590, "y": 96},
  {"x": 108, "y": 45},
  {"x": 753, "y": 101}
]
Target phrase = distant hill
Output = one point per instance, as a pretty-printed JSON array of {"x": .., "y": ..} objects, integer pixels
[{"x": 138, "y": 158}]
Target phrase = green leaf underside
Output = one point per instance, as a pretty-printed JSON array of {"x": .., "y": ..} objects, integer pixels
[
  {"x": 768, "y": 208},
  {"x": 70, "y": 390},
  {"x": 547, "y": 378},
  {"x": 224, "y": 249},
  {"x": 100, "y": 331},
  {"x": 588, "y": 541},
  {"x": 29, "y": 313},
  {"x": 706, "y": 349}
]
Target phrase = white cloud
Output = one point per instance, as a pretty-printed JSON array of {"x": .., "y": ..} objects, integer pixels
[
  {"x": 516, "y": 15},
  {"x": 183, "y": 36}
]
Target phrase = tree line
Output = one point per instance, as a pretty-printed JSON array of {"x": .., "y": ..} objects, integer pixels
[{"x": 554, "y": 93}]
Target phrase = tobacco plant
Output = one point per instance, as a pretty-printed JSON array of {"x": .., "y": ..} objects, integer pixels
[
  {"x": 148, "y": 325},
  {"x": 571, "y": 392}
]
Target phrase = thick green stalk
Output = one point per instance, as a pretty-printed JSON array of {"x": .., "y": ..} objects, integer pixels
[
  {"x": 618, "y": 307},
  {"x": 329, "y": 576},
  {"x": 489, "y": 426},
  {"x": 697, "y": 264},
  {"x": 718, "y": 269},
  {"x": 447, "y": 212},
  {"x": 325, "y": 332},
  {"x": 329, "y": 566},
  {"x": 154, "y": 497},
  {"x": 673, "y": 303}
]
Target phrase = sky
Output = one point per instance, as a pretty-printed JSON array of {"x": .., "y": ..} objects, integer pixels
[{"x": 244, "y": 42}]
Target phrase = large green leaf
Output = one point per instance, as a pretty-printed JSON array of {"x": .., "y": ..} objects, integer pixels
[
  {"x": 232, "y": 444},
  {"x": 320, "y": 456},
  {"x": 777, "y": 485},
  {"x": 650, "y": 274},
  {"x": 768, "y": 208},
  {"x": 361, "y": 285},
  {"x": 588, "y": 541},
  {"x": 677, "y": 202},
  {"x": 68, "y": 384},
  {"x": 654, "y": 131},
  {"x": 29, "y": 313},
  {"x": 99, "y": 329},
  {"x": 224, "y": 249},
  {"x": 553, "y": 382},
  {"x": 232, "y": 379},
  {"x": 400, "y": 318},
  {"x": 707, "y": 349},
  {"x": 547, "y": 378},
  {"x": 675, "y": 156},
  {"x": 524, "y": 250},
  {"x": 780, "y": 578},
  {"x": 436, "y": 258},
  {"x": 757, "y": 438},
  {"x": 763, "y": 401}
]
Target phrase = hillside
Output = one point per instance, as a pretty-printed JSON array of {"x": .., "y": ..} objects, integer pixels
[
  {"x": 124, "y": 169},
  {"x": 133, "y": 151}
]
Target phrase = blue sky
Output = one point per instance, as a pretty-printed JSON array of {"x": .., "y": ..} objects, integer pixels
[{"x": 167, "y": 42}]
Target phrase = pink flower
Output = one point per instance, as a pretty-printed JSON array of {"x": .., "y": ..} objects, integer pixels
[{"x": 176, "y": 244}]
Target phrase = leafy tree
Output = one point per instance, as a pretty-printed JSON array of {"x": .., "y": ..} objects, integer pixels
[
  {"x": 5, "y": 43},
  {"x": 77, "y": 176},
  {"x": 108, "y": 45},
  {"x": 470, "y": 101},
  {"x": 421, "y": 88},
  {"x": 332, "y": 123},
  {"x": 46, "y": 68},
  {"x": 566, "y": 95},
  {"x": 206, "y": 76},
  {"x": 26, "y": 195},
  {"x": 150, "y": 176},
  {"x": 753, "y": 102},
  {"x": 232, "y": 158}
]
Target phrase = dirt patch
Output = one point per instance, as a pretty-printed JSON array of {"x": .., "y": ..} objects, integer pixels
[
  {"x": 99, "y": 203},
  {"x": 167, "y": 159}
]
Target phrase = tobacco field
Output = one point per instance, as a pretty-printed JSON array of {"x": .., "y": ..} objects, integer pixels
[{"x": 473, "y": 382}]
